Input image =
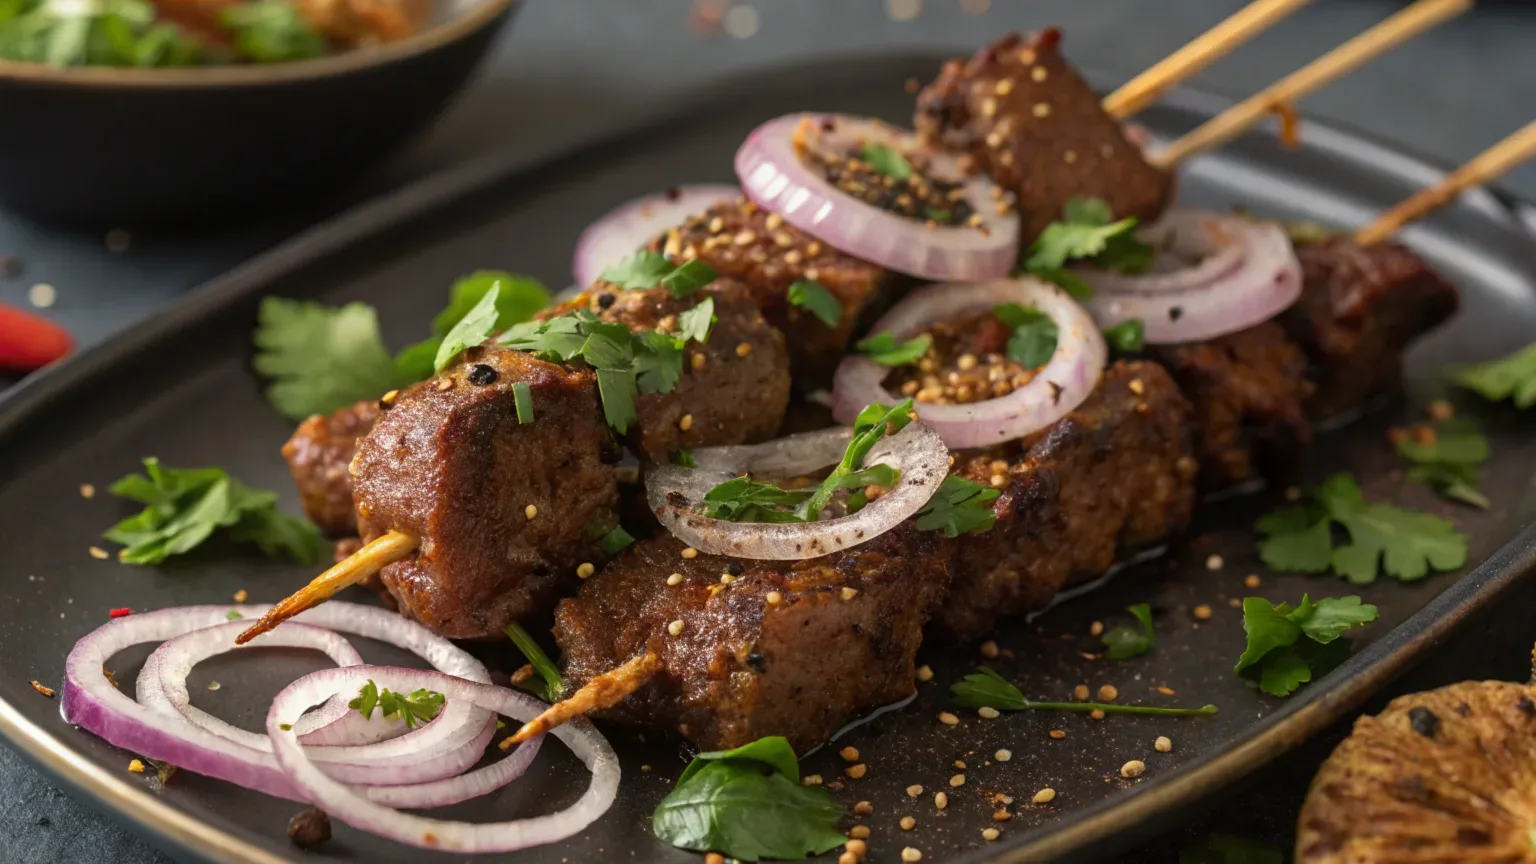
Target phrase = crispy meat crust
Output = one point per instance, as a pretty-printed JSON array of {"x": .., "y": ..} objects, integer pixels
[{"x": 318, "y": 455}]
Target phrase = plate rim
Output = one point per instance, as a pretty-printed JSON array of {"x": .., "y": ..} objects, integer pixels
[{"x": 1281, "y": 731}]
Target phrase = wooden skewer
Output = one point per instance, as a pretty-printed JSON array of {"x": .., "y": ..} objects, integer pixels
[
  {"x": 604, "y": 691},
  {"x": 1337, "y": 63},
  {"x": 1210, "y": 46},
  {"x": 365, "y": 562},
  {"x": 1484, "y": 167}
]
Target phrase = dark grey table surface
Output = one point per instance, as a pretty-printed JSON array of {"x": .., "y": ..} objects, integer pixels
[{"x": 570, "y": 70}]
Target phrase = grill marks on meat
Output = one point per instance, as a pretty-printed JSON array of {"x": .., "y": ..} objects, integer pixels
[
  {"x": 744, "y": 666},
  {"x": 736, "y": 394},
  {"x": 1028, "y": 120},
  {"x": 452, "y": 465},
  {"x": 1360, "y": 307},
  {"x": 1115, "y": 475},
  {"x": 318, "y": 455},
  {"x": 1248, "y": 390},
  {"x": 742, "y": 241}
]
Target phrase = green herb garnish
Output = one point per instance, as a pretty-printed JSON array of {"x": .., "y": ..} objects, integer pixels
[
  {"x": 1034, "y": 334},
  {"x": 419, "y": 706},
  {"x": 1227, "y": 849},
  {"x": 886, "y": 351},
  {"x": 1448, "y": 461},
  {"x": 749, "y": 804},
  {"x": 1127, "y": 337},
  {"x": 122, "y": 33},
  {"x": 184, "y": 506},
  {"x": 616, "y": 541},
  {"x": 1511, "y": 377},
  {"x": 683, "y": 457},
  {"x": 271, "y": 31},
  {"x": 960, "y": 506},
  {"x": 646, "y": 269},
  {"x": 522, "y": 400},
  {"x": 696, "y": 323},
  {"x": 873, "y": 423},
  {"x": 1123, "y": 643},
  {"x": 233, "y": 615},
  {"x": 814, "y": 298},
  {"x": 474, "y": 328},
  {"x": 984, "y": 688},
  {"x": 1085, "y": 233},
  {"x": 1278, "y": 658},
  {"x": 745, "y": 500},
  {"x": 887, "y": 160},
  {"x": 1406, "y": 544},
  {"x": 554, "y": 684}
]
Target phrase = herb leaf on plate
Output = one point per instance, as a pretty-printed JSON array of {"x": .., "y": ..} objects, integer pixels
[
  {"x": 416, "y": 707},
  {"x": 554, "y": 683},
  {"x": 1086, "y": 233},
  {"x": 1123, "y": 643},
  {"x": 984, "y": 688},
  {"x": 960, "y": 506},
  {"x": 814, "y": 298},
  {"x": 1512, "y": 377},
  {"x": 886, "y": 351},
  {"x": 1446, "y": 456},
  {"x": 474, "y": 328},
  {"x": 1034, "y": 334},
  {"x": 1288, "y": 647},
  {"x": 321, "y": 358},
  {"x": 271, "y": 31},
  {"x": 887, "y": 160}
]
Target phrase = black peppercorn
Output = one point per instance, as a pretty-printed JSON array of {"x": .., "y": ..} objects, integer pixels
[
  {"x": 1424, "y": 721},
  {"x": 605, "y": 300},
  {"x": 309, "y": 827},
  {"x": 482, "y": 374},
  {"x": 1175, "y": 313},
  {"x": 733, "y": 568}
]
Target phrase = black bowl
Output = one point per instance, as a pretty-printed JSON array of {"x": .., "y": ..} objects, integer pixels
[{"x": 102, "y": 147}]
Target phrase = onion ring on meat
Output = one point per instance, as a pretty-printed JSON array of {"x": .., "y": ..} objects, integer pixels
[{"x": 626, "y": 228}]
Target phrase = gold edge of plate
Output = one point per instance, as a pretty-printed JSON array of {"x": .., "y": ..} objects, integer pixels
[{"x": 128, "y": 799}]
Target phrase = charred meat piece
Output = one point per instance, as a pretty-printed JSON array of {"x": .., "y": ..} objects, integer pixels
[
  {"x": 1360, "y": 307},
  {"x": 793, "y": 648},
  {"x": 505, "y": 511},
  {"x": 742, "y": 241},
  {"x": 1248, "y": 390},
  {"x": 734, "y": 388},
  {"x": 1114, "y": 475},
  {"x": 318, "y": 455},
  {"x": 1035, "y": 127}
]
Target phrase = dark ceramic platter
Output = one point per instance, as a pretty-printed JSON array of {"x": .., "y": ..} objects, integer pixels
[{"x": 180, "y": 388}]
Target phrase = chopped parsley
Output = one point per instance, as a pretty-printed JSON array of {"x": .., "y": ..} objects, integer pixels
[
  {"x": 522, "y": 398},
  {"x": 1512, "y": 377},
  {"x": 887, "y": 160},
  {"x": 616, "y": 541},
  {"x": 646, "y": 269},
  {"x": 184, "y": 506},
  {"x": 1405, "y": 544},
  {"x": 1123, "y": 643},
  {"x": 873, "y": 423},
  {"x": 696, "y": 323},
  {"x": 960, "y": 506},
  {"x": 743, "y": 499},
  {"x": 814, "y": 298},
  {"x": 1278, "y": 659},
  {"x": 1034, "y": 334},
  {"x": 271, "y": 31},
  {"x": 886, "y": 351},
  {"x": 1086, "y": 233},
  {"x": 553, "y": 683},
  {"x": 984, "y": 688},
  {"x": 418, "y": 706},
  {"x": 749, "y": 804},
  {"x": 1446, "y": 457},
  {"x": 1127, "y": 337}
]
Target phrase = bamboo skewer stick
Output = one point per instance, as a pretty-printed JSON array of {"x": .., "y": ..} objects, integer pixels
[
  {"x": 358, "y": 566},
  {"x": 1138, "y": 93},
  {"x": 1337, "y": 63},
  {"x": 1483, "y": 167},
  {"x": 604, "y": 691}
]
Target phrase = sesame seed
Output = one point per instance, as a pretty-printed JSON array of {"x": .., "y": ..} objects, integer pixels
[
  {"x": 1108, "y": 693},
  {"x": 812, "y": 249},
  {"x": 1001, "y": 816},
  {"x": 697, "y": 361},
  {"x": 1234, "y": 603},
  {"x": 686, "y": 423},
  {"x": 1214, "y": 562},
  {"x": 989, "y": 649},
  {"x": 136, "y": 767},
  {"x": 960, "y": 764},
  {"x": 857, "y": 847},
  {"x": 1044, "y": 796},
  {"x": 1136, "y": 386},
  {"x": 1165, "y": 690},
  {"x": 924, "y": 673},
  {"x": 957, "y": 781},
  {"x": 863, "y": 808},
  {"x": 847, "y": 858},
  {"x": 948, "y": 719},
  {"x": 1058, "y": 734},
  {"x": 1096, "y": 714},
  {"x": 908, "y": 823},
  {"x": 1163, "y": 744},
  {"x": 42, "y": 295},
  {"x": 726, "y": 578},
  {"x": 998, "y": 481},
  {"x": 773, "y": 598},
  {"x": 241, "y": 595},
  {"x": 676, "y": 627},
  {"x": 1253, "y": 581},
  {"x": 914, "y": 790},
  {"x": 1080, "y": 692},
  {"x": 940, "y": 800},
  {"x": 1132, "y": 769},
  {"x": 859, "y": 832},
  {"x": 849, "y": 593},
  {"x": 1003, "y": 755},
  {"x": 1069, "y": 157},
  {"x": 1202, "y": 612},
  {"x": 910, "y": 854},
  {"x": 990, "y": 833},
  {"x": 988, "y": 107},
  {"x": 994, "y": 140},
  {"x": 585, "y": 570},
  {"x": 745, "y": 238},
  {"x": 1096, "y": 628},
  {"x": 987, "y": 712},
  {"x": 743, "y": 349},
  {"x": 675, "y": 579},
  {"x": 1042, "y": 109},
  {"x": 87, "y": 490},
  {"x": 99, "y": 553},
  {"x": 1038, "y": 74},
  {"x": 690, "y": 552},
  {"x": 1004, "y": 87},
  {"x": 857, "y": 771},
  {"x": 849, "y": 754},
  {"x": 811, "y": 780}
]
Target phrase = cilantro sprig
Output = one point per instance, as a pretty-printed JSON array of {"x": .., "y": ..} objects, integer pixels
[
  {"x": 814, "y": 298},
  {"x": 553, "y": 682},
  {"x": 883, "y": 349},
  {"x": 960, "y": 506},
  {"x": 185, "y": 506},
  {"x": 1446, "y": 456},
  {"x": 984, "y": 688},
  {"x": 418, "y": 706},
  {"x": 1127, "y": 337},
  {"x": 873, "y": 423},
  {"x": 646, "y": 269},
  {"x": 743, "y": 499},
  {"x": 1034, "y": 334},
  {"x": 1287, "y": 647},
  {"x": 887, "y": 160},
  {"x": 1405, "y": 544},
  {"x": 1123, "y": 643},
  {"x": 1086, "y": 233},
  {"x": 1512, "y": 377}
]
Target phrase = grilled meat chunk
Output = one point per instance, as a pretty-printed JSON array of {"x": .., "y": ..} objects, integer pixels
[
  {"x": 1035, "y": 127},
  {"x": 1114, "y": 475},
  {"x": 1248, "y": 390},
  {"x": 1360, "y": 307},
  {"x": 794, "y": 648},
  {"x": 734, "y": 388},
  {"x": 318, "y": 455},
  {"x": 503, "y": 509},
  {"x": 742, "y": 241}
]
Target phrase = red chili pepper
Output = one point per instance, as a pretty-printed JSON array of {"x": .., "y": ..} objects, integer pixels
[
  {"x": 120, "y": 613},
  {"x": 29, "y": 342}
]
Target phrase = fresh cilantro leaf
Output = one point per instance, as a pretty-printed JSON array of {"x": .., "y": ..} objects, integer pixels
[
  {"x": 554, "y": 683},
  {"x": 1076, "y": 287},
  {"x": 684, "y": 457},
  {"x": 1278, "y": 656},
  {"x": 1298, "y": 539},
  {"x": 1283, "y": 670},
  {"x": 321, "y": 359},
  {"x": 233, "y": 615},
  {"x": 1123, "y": 643},
  {"x": 185, "y": 506},
  {"x": 619, "y": 394},
  {"x": 748, "y": 803},
  {"x": 887, "y": 160},
  {"x": 418, "y": 706},
  {"x": 688, "y": 278},
  {"x": 1453, "y": 482},
  {"x": 814, "y": 298},
  {"x": 1227, "y": 849},
  {"x": 942, "y": 217},
  {"x": 616, "y": 541},
  {"x": 474, "y": 328},
  {"x": 517, "y": 299},
  {"x": 271, "y": 31},
  {"x": 886, "y": 351},
  {"x": 1085, "y": 233},
  {"x": 367, "y": 699},
  {"x": 1328, "y": 618},
  {"x": 1512, "y": 377},
  {"x": 984, "y": 688},
  {"x": 1127, "y": 337},
  {"x": 1447, "y": 460},
  {"x": 646, "y": 269},
  {"x": 418, "y": 361},
  {"x": 873, "y": 423},
  {"x": 1034, "y": 334},
  {"x": 960, "y": 506},
  {"x": 556, "y": 340},
  {"x": 743, "y": 499},
  {"x": 695, "y": 324},
  {"x": 658, "y": 362}
]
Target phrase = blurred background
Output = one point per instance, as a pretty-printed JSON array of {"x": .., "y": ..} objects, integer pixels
[{"x": 564, "y": 72}]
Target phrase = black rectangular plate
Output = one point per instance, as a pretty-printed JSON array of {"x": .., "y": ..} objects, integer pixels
[{"x": 180, "y": 388}]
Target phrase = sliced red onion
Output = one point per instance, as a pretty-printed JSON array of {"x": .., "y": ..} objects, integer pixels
[
  {"x": 773, "y": 175},
  {"x": 358, "y": 811},
  {"x": 1059, "y": 386},
  {"x": 623, "y": 230},
  {"x": 675, "y": 493},
  {"x": 1213, "y": 274}
]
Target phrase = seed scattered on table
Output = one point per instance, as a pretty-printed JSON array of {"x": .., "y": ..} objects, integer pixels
[
  {"x": 940, "y": 800},
  {"x": 849, "y": 754},
  {"x": 1214, "y": 562},
  {"x": 87, "y": 490},
  {"x": 908, "y": 823},
  {"x": 857, "y": 771},
  {"x": 1096, "y": 628},
  {"x": 957, "y": 781},
  {"x": 948, "y": 719},
  {"x": 1001, "y": 816},
  {"x": 39, "y": 687},
  {"x": 989, "y": 649},
  {"x": 1108, "y": 693},
  {"x": 988, "y": 712},
  {"x": 1202, "y": 612},
  {"x": 811, "y": 780},
  {"x": 1045, "y": 796},
  {"x": 924, "y": 673},
  {"x": 1058, "y": 734},
  {"x": 914, "y": 790},
  {"x": 859, "y": 832},
  {"x": 136, "y": 767},
  {"x": 1132, "y": 769},
  {"x": 99, "y": 553},
  {"x": 714, "y": 858},
  {"x": 990, "y": 833},
  {"x": 1163, "y": 744},
  {"x": 863, "y": 808},
  {"x": 1080, "y": 692},
  {"x": 911, "y": 854},
  {"x": 1096, "y": 714},
  {"x": 1003, "y": 755},
  {"x": 1252, "y": 582}
]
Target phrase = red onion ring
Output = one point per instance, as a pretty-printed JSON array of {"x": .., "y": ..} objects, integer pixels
[
  {"x": 358, "y": 811},
  {"x": 1061, "y": 385},
  {"x": 624, "y": 229},
  {"x": 1246, "y": 273},
  {"x": 674, "y": 491},
  {"x": 774, "y": 176}
]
